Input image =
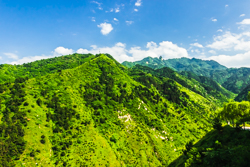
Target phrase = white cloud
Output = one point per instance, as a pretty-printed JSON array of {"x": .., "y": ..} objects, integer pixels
[
  {"x": 138, "y": 3},
  {"x": 63, "y": 51},
  {"x": 212, "y": 52},
  {"x": 244, "y": 22},
  {"x": 238, "y": 60},
  {"x": 224, "y": 42},
  {"x": 106, "y": 28},
  {"x": 242, "y": 15},
  {"x": 136, "y": 10},
  {"x": 117, "y": 10},
  {"x": 197, "y": 51},
  {"x": 115, "y": 19},
  {"x": 111, "y": 10},
  {"x": 129, "y": 22},
  {"x": 165, "y": 49},
  {"x": 229, "y": 41},
  {"x": 99, "y": 5},
  {"x": 226, "y": 6},
  {"x": 93, "y": 19},
  {"x": 197, "y": 45},
  {"x": 219, "y": 30},
  {"x": 11, "y": 55},
  {"x": 214, "y": 20}
]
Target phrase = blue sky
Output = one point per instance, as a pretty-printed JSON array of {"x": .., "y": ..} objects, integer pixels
[{"x": 128, "y": 30}]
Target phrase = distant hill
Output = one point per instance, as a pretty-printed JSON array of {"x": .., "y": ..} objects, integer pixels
[
  {"x": 233, "y": 79},
  {"x": 202, "y": 67},
  {"x": 204, "y": 86}
]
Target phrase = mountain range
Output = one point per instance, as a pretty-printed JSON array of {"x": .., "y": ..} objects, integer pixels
[
  {"x": 233, "y": 79},
  {"x": 90, "y": 110}
]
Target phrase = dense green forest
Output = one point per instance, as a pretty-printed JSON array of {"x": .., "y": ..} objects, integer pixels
[
  {"x": 90, "y": 110},
  {"x": 233, "y": 79},
  {"x": 243, "y": 94}
]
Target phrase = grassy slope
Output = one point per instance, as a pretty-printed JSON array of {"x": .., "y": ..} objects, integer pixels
[
  {"x": 8, "y": 73},
  {"x": 101, "y": 124}
]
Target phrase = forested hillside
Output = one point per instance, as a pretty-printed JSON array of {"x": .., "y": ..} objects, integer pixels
[
  {"x": 233, "y": 79},
  {"x": 98, "y": 114},
  {"x": 223, "y": 146},
  {"x": 180, "y": 64},
  {"x": 203, "y": 86},
  {"x": 243, "y": 95}
]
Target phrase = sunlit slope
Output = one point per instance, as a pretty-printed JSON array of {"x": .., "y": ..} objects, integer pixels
[
  {"x": 201, "y": 85},
  {"x": 233, "y": 79},
  {"x": 8, "y": 73},
  {"x": 97, "y": 115}
]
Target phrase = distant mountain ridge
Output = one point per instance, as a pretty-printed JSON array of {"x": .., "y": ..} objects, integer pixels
[
  {"x": 179, "y": 64},
  {"x": 233, "y": 79},
  {"x": 201, "y": 85}
]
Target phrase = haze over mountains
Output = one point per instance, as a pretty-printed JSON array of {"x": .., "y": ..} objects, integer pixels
[{"x": 90, "y": 110}]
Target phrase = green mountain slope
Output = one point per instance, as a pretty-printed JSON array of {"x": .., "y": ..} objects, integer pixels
[
  {"x": 233, "y": 79},
  {"x": 97, "y": 115},
  {"x": 229, "y": 147},
  {"x": 204, "y": 86},
  {"x": 208, "y": 82},
  {"x": 197, "y": 66},
  {"x": 238, "y": 80},
  {"x": 242, "y": 96},
  {"x": 8, "y": 73}
]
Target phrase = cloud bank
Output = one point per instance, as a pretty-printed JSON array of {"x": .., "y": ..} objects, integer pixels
[{"x": 165, "y": 49}]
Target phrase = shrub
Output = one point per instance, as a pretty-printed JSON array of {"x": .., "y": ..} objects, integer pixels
[
  {"x": 217, "y": 124},
  {"x": 39, "y": 102},
  {"x": 63, "y": 154},
  {"x": 42, "y": 141},
  {"x": 32, "y": 154},
  {"x": 26, "y": 104}
]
